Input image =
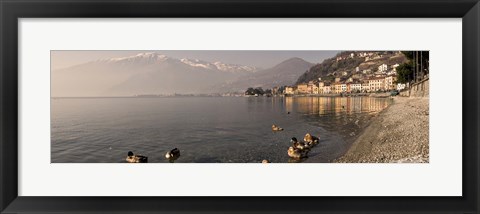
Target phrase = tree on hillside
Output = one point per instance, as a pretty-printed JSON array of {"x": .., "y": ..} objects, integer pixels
[
  {"x": 330, "y": 65},
  {"x": 408, "y": 54},
  {"x": 405, "y": 72}
]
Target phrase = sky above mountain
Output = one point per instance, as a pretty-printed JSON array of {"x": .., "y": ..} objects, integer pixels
[{"x": 260, "y": 58}]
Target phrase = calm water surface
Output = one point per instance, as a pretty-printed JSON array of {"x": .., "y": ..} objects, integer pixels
[{"x": 205, "y": 129}]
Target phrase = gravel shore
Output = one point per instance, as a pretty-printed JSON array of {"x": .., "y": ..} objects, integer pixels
[{"x": 399, "y": 134}]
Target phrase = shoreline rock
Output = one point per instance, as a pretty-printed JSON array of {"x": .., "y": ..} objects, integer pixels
[{"x": 398, "y": 134}]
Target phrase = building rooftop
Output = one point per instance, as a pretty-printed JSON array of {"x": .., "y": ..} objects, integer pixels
[{"x": 376, "y": 78}]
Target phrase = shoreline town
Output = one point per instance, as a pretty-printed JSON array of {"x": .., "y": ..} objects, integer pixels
[{"x": 388, "y": 137}]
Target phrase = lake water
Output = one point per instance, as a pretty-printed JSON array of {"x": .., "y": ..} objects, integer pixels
[{"x": 205, "y": 129}]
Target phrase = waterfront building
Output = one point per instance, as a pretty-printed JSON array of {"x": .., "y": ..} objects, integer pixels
[
  {"x": 312, "y": 87},
  {"x": 365, "y": 86},
  {"x": 389, "y": 82},
  {"x": 343, "y": 87},
  {"x": 302, "y": 88},
  {"x": 289, "y": 90},
  {"x": 376, "y": 83},
  {"x": 337, "y": 88},
  {"x": 326, "y": 89},
  {"x": 356, "y": 87}
]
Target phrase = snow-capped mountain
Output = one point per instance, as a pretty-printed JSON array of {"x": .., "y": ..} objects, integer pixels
[
  {"x": 151, "y": 57},
  {"x": 156, "y": 58},
  {"x": 144, "y": 73},
  {"x": 220, "y": 66}
]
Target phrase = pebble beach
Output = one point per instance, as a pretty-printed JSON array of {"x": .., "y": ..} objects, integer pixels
[{"x": 398, "y": 134}]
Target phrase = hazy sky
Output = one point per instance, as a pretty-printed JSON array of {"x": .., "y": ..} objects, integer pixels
[{"x": 263, "y": 59}]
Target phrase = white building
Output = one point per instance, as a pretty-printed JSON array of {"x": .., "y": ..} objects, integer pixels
[
  {"x": 325, "y": 89},
  {"x": 354, "y": 87},
  {"x": 289, "y": 90},
  {"x": 400, "y": 86},
  {"x": 383, "y": 68},
  {"x": 365, "y": 87}
]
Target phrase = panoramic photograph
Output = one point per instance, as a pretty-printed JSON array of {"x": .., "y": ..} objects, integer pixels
[{"x": 239, "y": 106}]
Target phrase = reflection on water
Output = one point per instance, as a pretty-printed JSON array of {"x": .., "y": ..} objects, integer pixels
[
  {"x": 335, "y": 105},
  {"x": 344, "y": 116},
  {"x": 205, "y": 129}
]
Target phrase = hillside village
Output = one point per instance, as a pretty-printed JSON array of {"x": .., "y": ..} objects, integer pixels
[{"x": 349, "y": 72}]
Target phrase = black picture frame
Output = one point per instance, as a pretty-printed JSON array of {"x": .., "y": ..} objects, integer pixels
[{"x": 12, "y": 10}]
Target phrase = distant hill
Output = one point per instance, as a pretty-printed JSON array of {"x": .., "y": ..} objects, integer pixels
[
  {"x": 145, "y": 73},
  {"x": 284, "y": 73},
  {"x": 345, "y": 63}
]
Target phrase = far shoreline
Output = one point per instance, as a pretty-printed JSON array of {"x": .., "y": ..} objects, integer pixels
[{"x": 379, "y": 95}]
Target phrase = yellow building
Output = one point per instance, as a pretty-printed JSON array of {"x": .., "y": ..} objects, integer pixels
[
  {"x": 312, "y": 88},
  {"x": 302, "y": 88},
  {"x": 390, "y": 82},
  {"x": 365, "y": 87},
  {"x": 337, "y": 88},
  {"x": 289, "y": 90},
  {"x": 376, "y": 83},
  {"x": 316, "y": 89}
]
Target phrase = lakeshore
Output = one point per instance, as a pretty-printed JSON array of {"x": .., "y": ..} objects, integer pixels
[
  {"x": 370, "y": 94},
  {"x": 398, "y": 134}
]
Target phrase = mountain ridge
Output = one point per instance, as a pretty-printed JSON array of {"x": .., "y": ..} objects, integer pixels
[
  {"x": 282, "y": 74},
  {"x": 155, "y": 73}
]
